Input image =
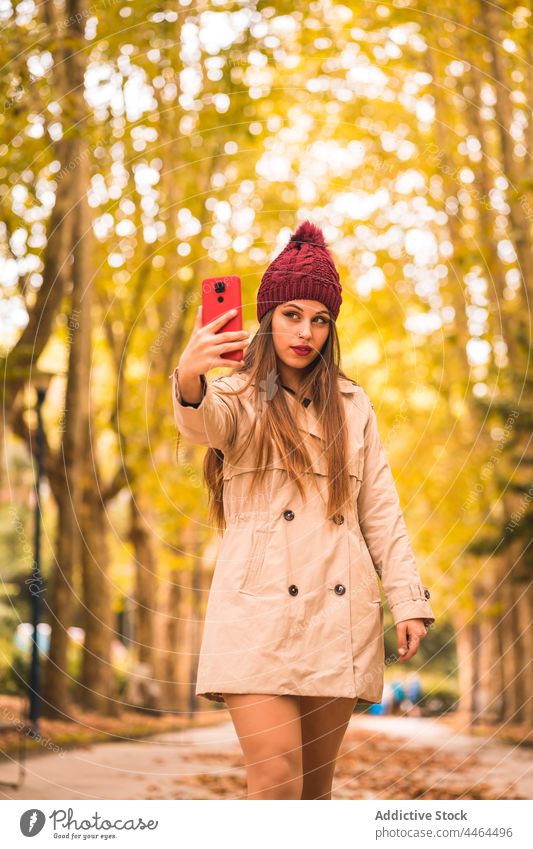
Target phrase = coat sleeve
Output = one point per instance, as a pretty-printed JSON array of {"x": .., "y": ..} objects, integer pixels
[
  {"x": 213, "y": 421},
  {"x": 383, "y": 527}
]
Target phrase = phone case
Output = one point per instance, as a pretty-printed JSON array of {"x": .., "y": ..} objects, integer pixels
[{"x": 220, "y": 294}]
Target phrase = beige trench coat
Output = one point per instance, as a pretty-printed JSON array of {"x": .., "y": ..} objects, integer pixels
[{"x": 295, "y": 606}]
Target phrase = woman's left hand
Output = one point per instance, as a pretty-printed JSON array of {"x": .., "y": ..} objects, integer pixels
[{"x": 409, "y": 632}]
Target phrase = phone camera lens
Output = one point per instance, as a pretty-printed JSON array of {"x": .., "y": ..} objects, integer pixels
[{"x": 220, "y": 286}]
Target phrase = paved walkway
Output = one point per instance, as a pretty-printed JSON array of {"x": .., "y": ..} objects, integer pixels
[{"x": 380, "y": 757}]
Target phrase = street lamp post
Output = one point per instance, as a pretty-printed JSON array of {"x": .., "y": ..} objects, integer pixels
[{"x": 40, "y": 381}]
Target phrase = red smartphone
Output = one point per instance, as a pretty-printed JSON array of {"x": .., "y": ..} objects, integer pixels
[{"x": 220, "y": 294}]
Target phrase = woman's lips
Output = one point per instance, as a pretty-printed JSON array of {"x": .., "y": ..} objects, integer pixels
[{"x": 302, "y": 352}]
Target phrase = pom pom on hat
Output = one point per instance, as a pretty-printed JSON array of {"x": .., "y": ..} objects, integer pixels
[
  {"x": 310, "y": 233},
  {"x": 304, "y": 269}
]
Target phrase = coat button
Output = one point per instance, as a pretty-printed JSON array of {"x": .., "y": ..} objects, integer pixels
[
  {"x": 340, "y": 589},
  {"x": 427, "y": 592},
  {"x": 293, "y": 589},
  {"x": 338, "y": 519},
  {"x": 289, "y": 515}
]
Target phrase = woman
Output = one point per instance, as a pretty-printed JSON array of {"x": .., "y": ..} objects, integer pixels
[{"x": 298, "y": 477}]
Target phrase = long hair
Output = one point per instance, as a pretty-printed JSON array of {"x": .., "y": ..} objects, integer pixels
[{"x": 276, "y": 424}]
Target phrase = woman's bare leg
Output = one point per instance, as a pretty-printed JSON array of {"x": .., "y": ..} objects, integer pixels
[
  {"x": 324, "y": 722},
  {"x": 269, "y": 731}
]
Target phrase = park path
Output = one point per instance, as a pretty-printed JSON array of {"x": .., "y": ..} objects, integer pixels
[{"x": 380, "y": 757}]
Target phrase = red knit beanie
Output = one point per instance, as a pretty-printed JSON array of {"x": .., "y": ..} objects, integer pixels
[{"x": 304, "y": 269}]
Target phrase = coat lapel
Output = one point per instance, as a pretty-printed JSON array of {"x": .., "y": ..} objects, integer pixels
[{"x": 309, "y": 422}]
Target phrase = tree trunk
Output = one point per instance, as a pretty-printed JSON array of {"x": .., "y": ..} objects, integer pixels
[
  {"x": 510, "y": 667},
  {"x": 520, "y": 661},
  {"x": 464, "y": 638},
  {"x": 144, "y": 610},
  {"x": 60, "y": 603},
  {"x": 525, "y": 618},
  {"x": 173, "y": 639},
  {"x": 491, "y": 22},
  {"x": 68, "y": 84},
  {"x": 97, "y": 689},
  {"x": 56, "y": 701},
  {"x": 61, "y": 599},
  {"x": 489, "y": 685}
]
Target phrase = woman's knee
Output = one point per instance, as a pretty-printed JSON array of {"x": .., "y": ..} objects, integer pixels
[
  {"x": 276, "y": 777},
  {"x": 269, "y": 731},
  {"x": 318, "y": 784}
]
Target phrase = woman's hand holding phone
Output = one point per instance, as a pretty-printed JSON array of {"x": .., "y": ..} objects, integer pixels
[{"x": 203, "y": 351}]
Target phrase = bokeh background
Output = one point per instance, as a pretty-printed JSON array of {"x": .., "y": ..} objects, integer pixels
[{"x": 147, "y": 145}]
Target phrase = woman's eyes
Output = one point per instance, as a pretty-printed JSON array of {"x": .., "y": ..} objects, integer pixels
[{"x": 325, "y": 320}]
